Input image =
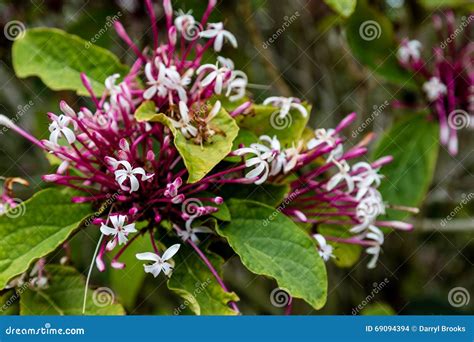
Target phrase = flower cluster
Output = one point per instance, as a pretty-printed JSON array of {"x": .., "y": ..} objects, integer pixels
[
  {"x": 448, "y": 78},
  {"x": 349, "y": 198},
  {"x": 105, "y": 153}
]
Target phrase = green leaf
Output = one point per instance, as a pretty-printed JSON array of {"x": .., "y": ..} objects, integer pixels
[
  {"x": 413, "y": 143},
  {"x": 264, "y": 120},
  {"x": 343, "y": 7},
  {"x": 9, "y": 303},
  {"x": 271, "y": 244},
  {"x": 64, "y": 295},
  {"x": 270, "y": 194},
  {"x": 58, "y": 58},
  {"x": 193, "y": 281},
  {"x": 372, "y": 41},
  {"x": 127, "y": 283},
  {"x": 346, "y": 255},
  {"x": 49, "y": 218},
  {"x": 378, "y": 309},
  {"x": 199, "y": 160}
]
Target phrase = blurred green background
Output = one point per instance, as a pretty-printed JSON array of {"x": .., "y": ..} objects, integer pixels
[{"x": 311, "y": 60}]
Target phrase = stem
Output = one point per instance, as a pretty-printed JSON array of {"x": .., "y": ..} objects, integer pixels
[
  {"x": 90, "y": 272},
  {"x": 213, "y": 271}
]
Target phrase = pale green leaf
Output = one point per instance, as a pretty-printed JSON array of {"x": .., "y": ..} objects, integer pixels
[
  {"x": 199, "y": 160},
  {"x": 58, "y": 58},
  {"x": 271, "y": 244},
  {"x": 48, "y": 219},
  {"x": 64, "y": 295},
  {"x": 343, "y": 7}
]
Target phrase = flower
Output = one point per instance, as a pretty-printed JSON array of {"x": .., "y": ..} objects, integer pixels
[
  {"x": 183, "y": 21},
  {"x": 342, "y": 175},
  {"x": 218, "y": 76},
  {"x": 119, "y": 232},
  {"x": 184, "y": 125},
  {"x": 261, "y": 167},
  {"x": 325, "y": 250},
  {"x": 59, "y": 127},
  {"x": 409, "y": 50},
  {"x": 434, "y": 88},
  {"x": 286, "y": 104},
  {"x": 129, "y": 173},
  {"x": 366, "y": 178},
  {"x": 190, "y": 232},
  {"x": 159, "y": 263},
  {"x": 216, "y": 31}
]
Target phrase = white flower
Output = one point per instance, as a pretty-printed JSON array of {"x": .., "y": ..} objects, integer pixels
[
  {"x": 217, "y": 75},
  {"x": 342, "y": 175},
  {"x": 184, "y": 124},
  {"x": 129, "y": 173},
  {"x": 434, "y": 89},
  {"x": 292, "y": 156},
  {"x": 262, "y": 168},
  {"x": 157, "y": 84},
  {"x": 177, "y": 82},
  {"x": 368, "y": 209},
  {"x": 120, "y": 94},
  {"x": 159, "y": 263},
  {"x": 322, "y": 136},
  {"x": 409, "y": 50},
  {"x": 376, "y": 235},
  {"x": 286, "y": 104},
  {"x": 216, "y": 30},
  {"x": 183, "y": 21},
  {"x": 366, "y": 178},
  {"x": 190, "y": 232},
  {"x": 119, "y": 232},
  {"x": 325, "y": 250},
  {"x": 59, "y": 127},
  {"x": 238, "y": 81}
]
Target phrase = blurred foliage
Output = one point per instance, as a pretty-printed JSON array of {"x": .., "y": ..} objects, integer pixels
[{"x": 313, "y": 60}]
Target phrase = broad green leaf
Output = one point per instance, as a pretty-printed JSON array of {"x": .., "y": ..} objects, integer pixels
[
  {"x": 271, "y": 244},
  {"x": 270, "y": 194},
  {"x": 64, "y": 295},
  {"x": 199, "y": 160},
  {"x": 346, "y": 255},
  {"x": 413, "y": 143},
  {"x": 126, "y": 283},
  {"x": 9, "y": 303},
  {"x": 193, "y": 281},
  {"x": 58, "y": 58},
  {"x": 36, "y": 228},
  {"x": 264, "y": 120},
  {"x": 343, "y": 7},
  {"x": 378, "y": 309},
  {"x": 372, "y": 41}
]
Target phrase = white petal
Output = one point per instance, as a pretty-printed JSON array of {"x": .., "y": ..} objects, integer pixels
[{"x": 168, "y": 254}]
